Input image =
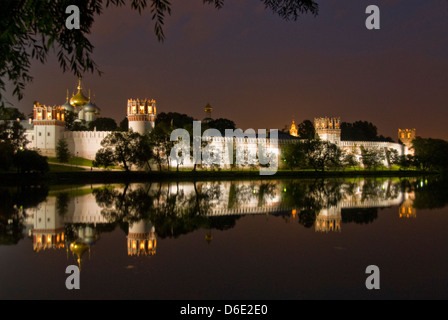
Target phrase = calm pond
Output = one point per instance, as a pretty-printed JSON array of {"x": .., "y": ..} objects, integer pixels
[{"x": 243, "y": 240}]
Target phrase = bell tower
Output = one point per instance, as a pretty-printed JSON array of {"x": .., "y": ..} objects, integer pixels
[
  {"x": 406, "y": 136},
  {"x": 328, "y": 129},
  {"x": 49, "y": 127}
]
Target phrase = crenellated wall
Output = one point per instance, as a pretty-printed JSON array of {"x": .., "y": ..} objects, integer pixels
[{"x": 85, "y": 144}]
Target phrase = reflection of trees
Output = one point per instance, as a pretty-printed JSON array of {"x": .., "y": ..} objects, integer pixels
[
  {"x": 62, "y": 200},
  {"x": 359, "y": 216},
  {"x": 13, "y": 205},
  {"x": 177, "y": 209},
  {"x": 240, "y": 194},
  {"x": 311, "y": 197},
  {"x": 127, "y": 206},
  {"x": 172, "y": 211},
  {"x": 178, "y": 213},
  {"x": 431, "y": 193},
  {"x": 378, "y": 189}
]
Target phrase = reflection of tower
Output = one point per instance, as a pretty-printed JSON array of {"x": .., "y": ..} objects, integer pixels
[
  {"x": 142, "y": 115},
  {"x": 328, "y": 129},
  {"x": 48, "y": 231},
  {"x": 209, "y": 236},
  {"x": 329, "y": 220},
  {"x": 142, "y": 239},
  {"x": 294, "y": 213},
  {"x": 86, "y": 238},
  {"x": 407, "y": 209}
]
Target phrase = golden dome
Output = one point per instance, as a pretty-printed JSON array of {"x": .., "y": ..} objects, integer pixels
[
  {"x": 293, "y": 131},
  {"x": 79, "y": 99},
  {"x": 78, "y": 248}
]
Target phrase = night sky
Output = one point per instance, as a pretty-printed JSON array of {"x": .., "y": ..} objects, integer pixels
[{"x": 262, "y": 72}]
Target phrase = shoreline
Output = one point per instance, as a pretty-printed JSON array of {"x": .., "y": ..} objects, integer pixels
[{"x": 106, "y": 177}]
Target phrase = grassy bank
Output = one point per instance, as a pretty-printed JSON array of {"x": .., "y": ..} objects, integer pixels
[{"x": 69, "y": 175}]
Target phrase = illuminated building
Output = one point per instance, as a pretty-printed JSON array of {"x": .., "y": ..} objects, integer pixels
[
  {"x": 293, "y": 131},
  {"x": 48, "y": 126},
  {"x": 142, "y": 115}
]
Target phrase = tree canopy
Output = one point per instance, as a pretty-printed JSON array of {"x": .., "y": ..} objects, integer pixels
[
  {"x": 431, "y": 154},
  {"x": 103, "y": 124},
  {"x": 306, "y": 130},
  {"x": 31, "y": 29},
  {"x": 361, "y": 131}
]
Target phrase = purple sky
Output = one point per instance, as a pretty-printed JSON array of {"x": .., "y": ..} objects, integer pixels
[{"x": 261, "y": 71}]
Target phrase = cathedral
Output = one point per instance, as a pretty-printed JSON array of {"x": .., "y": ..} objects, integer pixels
[{"x": 82, "y": 107}]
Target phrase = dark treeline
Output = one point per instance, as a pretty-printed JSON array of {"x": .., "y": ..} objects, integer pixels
[{"x": 361, "y": 131}]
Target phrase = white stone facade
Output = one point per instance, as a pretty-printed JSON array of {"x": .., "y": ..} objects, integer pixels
[{"x": 48, "y": 127}]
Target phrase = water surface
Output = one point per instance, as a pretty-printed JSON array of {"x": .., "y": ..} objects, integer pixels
[{"x": 283, "y": 239}]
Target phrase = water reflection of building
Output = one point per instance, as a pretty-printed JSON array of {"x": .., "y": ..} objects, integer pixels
[
  {"x": 142, "y": 239},
  {"x": 48, "y": 228},
  {"x": 72, "y": 222},
  {"x": 329, "y": 220},
  {"x": 82, "y": 212},
  {"x": 407, "y": 209},
  {"x": 85, "y": 237}
]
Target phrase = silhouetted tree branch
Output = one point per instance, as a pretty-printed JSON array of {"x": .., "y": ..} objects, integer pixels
[{"x": 29, "y": 29}]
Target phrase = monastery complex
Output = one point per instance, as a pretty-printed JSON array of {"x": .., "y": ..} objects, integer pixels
[{"x": 48, "y": 126}]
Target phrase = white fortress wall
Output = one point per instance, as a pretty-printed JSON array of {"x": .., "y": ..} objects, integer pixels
[{"x": 85, "y": 144}]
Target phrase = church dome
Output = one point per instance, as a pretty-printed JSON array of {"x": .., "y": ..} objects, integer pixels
[
  {"x": 90, "y": 107},
  {"x": 68, "y": 107},
  {"x": 79, "y": 99}
]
